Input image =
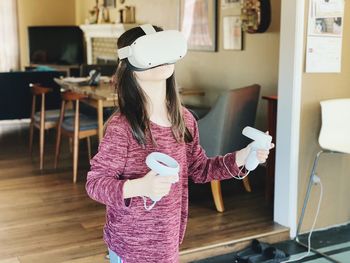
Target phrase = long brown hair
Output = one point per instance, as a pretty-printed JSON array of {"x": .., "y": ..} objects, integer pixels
[{"x": 132, "y": 101}]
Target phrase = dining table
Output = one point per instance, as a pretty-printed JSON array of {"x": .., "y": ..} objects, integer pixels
[
  {"x": 99, "y": 97},
  {"x": 103, "y": 95}
]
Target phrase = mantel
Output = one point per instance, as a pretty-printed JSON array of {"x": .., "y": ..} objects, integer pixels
[
  {"x": 105, "y": 30},
  {"x": 101, "y": 31}
]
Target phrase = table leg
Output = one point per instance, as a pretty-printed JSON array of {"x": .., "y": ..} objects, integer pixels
[{"x": 100, "y": 119}]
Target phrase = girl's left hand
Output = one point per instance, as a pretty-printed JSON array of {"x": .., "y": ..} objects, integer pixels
[{"x": 261, "y": 154}]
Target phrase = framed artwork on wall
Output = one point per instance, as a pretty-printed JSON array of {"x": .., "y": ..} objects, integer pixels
[
  {"x": 110, "y": 3},
  {"x": 198, "y": 22},
  {"x": 230, "y": 3},
  {"x": 232, "y": 33}
]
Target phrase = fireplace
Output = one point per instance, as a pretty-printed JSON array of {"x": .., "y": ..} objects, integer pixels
[{"x": 101, "y": 41}]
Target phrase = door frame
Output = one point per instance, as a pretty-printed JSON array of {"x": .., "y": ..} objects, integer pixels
[{"x": 288, "y": 113}]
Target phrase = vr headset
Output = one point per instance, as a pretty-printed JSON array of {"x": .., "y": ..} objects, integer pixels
[{"x": 154, "y": 49}]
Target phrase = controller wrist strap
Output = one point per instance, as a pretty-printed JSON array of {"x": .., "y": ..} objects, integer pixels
[
  {"x": 148, "y": 208},
  {"x": 238, "y": 177}
]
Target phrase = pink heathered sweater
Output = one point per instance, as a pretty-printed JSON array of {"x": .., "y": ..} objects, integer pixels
[{"x": 137, "y": 235}]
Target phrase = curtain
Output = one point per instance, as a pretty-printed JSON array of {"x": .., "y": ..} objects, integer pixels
[
  {"x": 195, "y": 24},
  {"x": 9, "y": 48}
]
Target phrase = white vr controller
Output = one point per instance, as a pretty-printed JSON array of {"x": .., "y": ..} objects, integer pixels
[
  {"x": 261, "y": 141},
  {"x": 163, "y": 165}
]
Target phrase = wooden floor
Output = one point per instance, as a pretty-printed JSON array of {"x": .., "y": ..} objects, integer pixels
[{"x": 44, "y": 217}]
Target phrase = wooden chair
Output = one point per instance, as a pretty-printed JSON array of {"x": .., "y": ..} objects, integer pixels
[
  {"x": 79, "y": 126},
  {"x": 43, "y": 120}
]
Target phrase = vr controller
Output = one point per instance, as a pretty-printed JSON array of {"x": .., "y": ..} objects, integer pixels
[
  {"x": 261, "y": 141},
  {"x": 163, "y": 165}
]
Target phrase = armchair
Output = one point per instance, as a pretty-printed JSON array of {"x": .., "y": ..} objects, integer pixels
[{"x": 220, "y": 130}]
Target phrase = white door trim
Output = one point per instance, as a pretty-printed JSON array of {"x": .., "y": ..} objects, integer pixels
[{"x": 288, "y": 117}]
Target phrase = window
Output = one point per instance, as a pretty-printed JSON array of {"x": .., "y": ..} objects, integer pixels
[{"x": 9, "y": 50}]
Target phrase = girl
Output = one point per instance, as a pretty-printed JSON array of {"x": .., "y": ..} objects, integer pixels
[{"x": 150, "y": 118}]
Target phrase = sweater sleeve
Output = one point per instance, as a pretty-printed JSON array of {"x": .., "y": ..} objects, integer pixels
[
  {"x": 203, "y": 169},
  {"x": 104, "y": 180}
]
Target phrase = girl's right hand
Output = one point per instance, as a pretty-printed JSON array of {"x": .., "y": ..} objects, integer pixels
[
  {"x": 151, "y": 185},
  {"x": 156, "y": 186}
]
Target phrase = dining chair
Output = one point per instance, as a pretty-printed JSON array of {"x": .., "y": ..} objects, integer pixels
[
  {"x": 220, "y": 130},
  {"x": 42, "y": 120},
  {"x": 79, "y": 126}
]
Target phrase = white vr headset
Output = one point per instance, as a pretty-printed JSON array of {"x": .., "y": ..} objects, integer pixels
[{"x": 154, "y": 48}]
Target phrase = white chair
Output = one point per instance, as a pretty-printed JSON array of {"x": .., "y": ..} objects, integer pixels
[
  {"x": 335, "y": 130},
  {"x": 334, "y": 138}
]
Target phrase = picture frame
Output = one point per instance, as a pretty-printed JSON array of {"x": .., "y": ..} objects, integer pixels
[
  {"x": 232, "y": 33},
  {"x": 198, "y": 22},
  {"x": 230, "y": 4},
  {"x": 110, "y": 3}
]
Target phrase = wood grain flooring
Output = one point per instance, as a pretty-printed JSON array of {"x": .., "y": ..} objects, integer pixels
[{"x": 44, "y": 217}]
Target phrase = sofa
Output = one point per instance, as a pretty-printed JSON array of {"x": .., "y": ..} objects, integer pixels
[{"x": 15, "y": 95}]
